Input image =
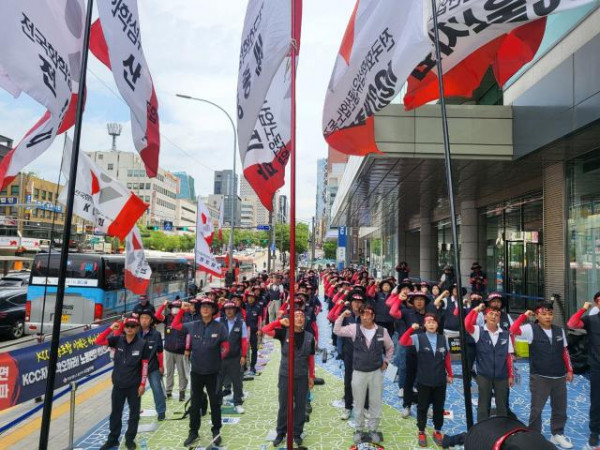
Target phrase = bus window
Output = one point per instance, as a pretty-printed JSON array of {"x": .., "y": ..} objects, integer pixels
[
  {"x": 78, "y": 266},
  {"x": 114, "y": 275}
]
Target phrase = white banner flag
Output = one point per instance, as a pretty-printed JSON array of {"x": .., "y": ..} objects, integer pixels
[
  {"x": 116, "y": 42},
  {"x": 137, "y": 269},
  {"x": 41, "y": 56},
  {"x": 204, "y": 223},
  {"x": 264, "y": 100},
  {"x": 384, "y": 41},
  {"x": 100, "y": 199}
]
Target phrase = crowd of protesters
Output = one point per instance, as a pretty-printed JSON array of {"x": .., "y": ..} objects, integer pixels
[{"x": 212, "y": 342}]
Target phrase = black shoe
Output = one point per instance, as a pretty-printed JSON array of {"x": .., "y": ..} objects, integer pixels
[
  {"x": 307, "y": 417},
  {"x": 217, "y": 438},
  {"x": 169, "y": 395},
  {"x": 130, "y": 445},
  {"x": 309, "y": 408},
  {"x": 226, "y": 392},
  {"x": 190, "y": 439},
  {"x": 298, "y": 440},
  {"x": 182, "y": 396},
  {"x": 110, "y": 444},
  {"x": 278, "y": 440},
  {"x": 161, "y": 417},
  {"x": 594, "y": 441}
]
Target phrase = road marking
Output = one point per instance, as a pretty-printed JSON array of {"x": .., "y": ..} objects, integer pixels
[{"x": 33, "y": 426}]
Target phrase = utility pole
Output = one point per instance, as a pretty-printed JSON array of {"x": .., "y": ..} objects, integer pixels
[
  {"x": 269, "y": 243},
  {"x": 314, "y": 236}
]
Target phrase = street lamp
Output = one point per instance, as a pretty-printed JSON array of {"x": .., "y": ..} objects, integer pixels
[{"x": 233, "y": 191}]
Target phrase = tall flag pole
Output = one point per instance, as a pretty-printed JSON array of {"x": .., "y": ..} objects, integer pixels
[
  {"x": 448, "y": 162},
  {"x": 295, "y": 17},
  {"x": 62, "y": 271}
]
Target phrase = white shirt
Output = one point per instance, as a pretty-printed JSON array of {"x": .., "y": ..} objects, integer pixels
[
  {"x": 494, "y": 335},
  {"x": 527, "y": 334}
]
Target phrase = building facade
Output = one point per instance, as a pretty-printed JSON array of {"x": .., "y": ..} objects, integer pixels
[
  {"x": 159, "y": 192},
  {"x": 185, "y": 215},
  {"x": 187, "y": 189},
  {"x": 526, "y": 165}
]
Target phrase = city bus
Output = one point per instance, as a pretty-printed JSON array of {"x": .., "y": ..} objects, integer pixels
[{"x": 94, "y": 288}]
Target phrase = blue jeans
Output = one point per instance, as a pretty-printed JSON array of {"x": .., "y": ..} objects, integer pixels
[
  {"x": 154, "y": 378},
  {"x": 400, "y": 360}
]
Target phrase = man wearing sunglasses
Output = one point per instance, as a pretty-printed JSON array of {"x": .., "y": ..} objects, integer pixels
[
  {"x": 373, "y": 350},
  {"x": 493, "y": 355},
  {"x": 129, "y": 378}
]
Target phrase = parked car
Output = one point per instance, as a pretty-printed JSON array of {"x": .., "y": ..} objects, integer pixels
[
  {"x": 15, "y": 279},
  {"x": 12, "y": 311}
]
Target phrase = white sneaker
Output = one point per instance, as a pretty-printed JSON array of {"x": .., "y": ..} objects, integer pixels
[
  {"x": 406, "y": 413},
  {"x": 346, "y": 414},
  {"x": 430, "y": 413},
  {"x": 239, "y": 409},
  {"x": 561, "y": 440},
  {"x": 401, "y": 392}
]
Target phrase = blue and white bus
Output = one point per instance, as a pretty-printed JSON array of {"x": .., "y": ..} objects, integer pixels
[{"x": 95, "y": 289}]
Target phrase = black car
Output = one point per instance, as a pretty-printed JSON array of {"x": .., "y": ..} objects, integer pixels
[
  {"x": 15, "y": 279},
  {"x": 12, "y": 311}
]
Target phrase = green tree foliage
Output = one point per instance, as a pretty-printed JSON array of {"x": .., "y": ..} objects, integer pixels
[{"x": 330, "y": 249}]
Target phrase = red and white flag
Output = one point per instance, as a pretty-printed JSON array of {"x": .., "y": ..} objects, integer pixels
[
  {"x": 205, "y": 260},
  {"x": 137, "y": 269},
  {"x": 263, "y": 96},
  {"x": 100, "y": 199},
  {"x": 204, "y": 225},
  {"x": 386, "y": 44},
  {"x": 221, "y": 215},
  {"x": 41, "y": 56},
  {"x": 116, "y": 41},
  {"x": 478, "y": 34}
]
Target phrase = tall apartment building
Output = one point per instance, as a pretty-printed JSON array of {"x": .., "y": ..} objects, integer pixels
[
  {"x": 253, "y": 211},
  {"x": 159, "y": 192},
  {"x": 222, "y": 186}
]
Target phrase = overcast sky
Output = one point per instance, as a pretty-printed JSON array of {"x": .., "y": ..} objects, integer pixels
[{"x": 192, "y": 47}]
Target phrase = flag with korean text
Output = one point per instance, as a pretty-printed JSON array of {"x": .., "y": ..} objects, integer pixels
[
  {"x": 205, "y": 260},
  {"x": 264, "y": 94},
  {"x": 116, "y": 41},
  {"x": 137, "y": 269},
  {"x": 477, "y": 35},
  {"x": 388, "y": 42},
  {"x": 41, "y": 56},
  {"x": 101, "y": 199}
]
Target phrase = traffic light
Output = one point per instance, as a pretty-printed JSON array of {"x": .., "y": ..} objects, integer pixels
[
  {"x": 181, "y": 228},
  {"x": 154, "y": 228}
]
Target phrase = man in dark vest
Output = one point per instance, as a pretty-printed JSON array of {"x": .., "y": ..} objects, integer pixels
[
  {"x": 143, "y": 305},
  {"x": 549, "y": 367},
  {"x": 592, "y": 326},
  {"x": 128, "y": 377},
  {"x": 254, "y": 319},
  {"x": 373, "y": 350},
  {"x": 156, "y": 368},
  {"x": 304, "y": 372},
  {"x": 493, "y": 354},
  {"x": 382, "y": 310},
  {"x": 231, "y": 367},
  {"x": 174, "y": 348},
  {"x": 356, "y": 300},
  {"x": 434, "y": 371},
  {"x": 206, "y": 345}
]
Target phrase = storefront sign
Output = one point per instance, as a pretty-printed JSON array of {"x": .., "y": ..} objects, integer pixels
[
  {"x": 9, "y": 241},
  {"x": 23, "y": 372},
  {"x": 30, "y": 243},
  {"x": 8, "y": 221},
  {"x": 6, "y": 201}
]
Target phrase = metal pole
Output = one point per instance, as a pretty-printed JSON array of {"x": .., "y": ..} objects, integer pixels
[
  {"x": 292, "y": 276},
  {"x": 64, "y": 255},
  {"x": 233, "y": 200},
  {"x": 269, "y": 256},
  {"x": 314, "y": 235},
  {"x": 72, "y": 415},
  {"x": 448, "y": 160}
]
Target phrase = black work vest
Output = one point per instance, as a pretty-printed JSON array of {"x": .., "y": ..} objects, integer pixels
[
  {"x": 368, "y": 359},
  {"x": 235, "y": 337},
  {"x": 253, "y": 313},
  {"x": 491, "y": 359},
  {"x": 300, "y": 355},
  {"x": 274, "y": 294},
  {"x": 175, "y": 339},
  {"x": 431, "y": 369},
  {"x": 545, "y": 355},
  {"x": 127, "y": 372},
  {"x": 451, "y": 321},
  {"x": 382, "y": 312},
  {"x": 593, "y": 330},
  {"x": 206, "y": 346},
  {"x": 154, "y": 341}
]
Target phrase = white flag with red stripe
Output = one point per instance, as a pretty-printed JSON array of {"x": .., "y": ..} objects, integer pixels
[
  {"x": 264, "y": 100},
  {"x": 40, "y": 55},
  {"x": 137, "y": 269},
  {"x": 205, "y": 260},
  {"x": 100, "y": 199},
  {"x": 116, "y": 41}
]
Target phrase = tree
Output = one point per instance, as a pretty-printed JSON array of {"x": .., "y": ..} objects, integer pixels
[
  {"x": 282, "y": 237},
  {"x": 330, "y": 249}
]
